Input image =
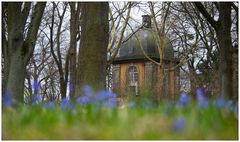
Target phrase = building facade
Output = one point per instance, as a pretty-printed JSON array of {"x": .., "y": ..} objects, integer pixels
[{"x": 133, "y": 71}]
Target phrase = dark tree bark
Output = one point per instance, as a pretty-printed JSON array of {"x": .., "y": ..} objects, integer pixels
[
  {"x": 223, "y": 31},
  {"x": 20, "y": 44},
  {"x": 92, "y": 59},
  {"x": 72, "y": 52}
]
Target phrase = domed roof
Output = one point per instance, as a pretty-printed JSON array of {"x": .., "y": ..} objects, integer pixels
[{"x": 131, "y": 49}]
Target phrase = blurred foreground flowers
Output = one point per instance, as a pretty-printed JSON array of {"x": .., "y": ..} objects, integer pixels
[{"x": 189, "y": 117}]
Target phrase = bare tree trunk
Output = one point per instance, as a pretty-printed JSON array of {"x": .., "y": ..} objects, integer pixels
[
  {"x": 20, "y": 48},
  {"x": 15, "y": 83},
  {"x": 92, "y": 59},
  {"x": 225, "y": 44},
  {"x": 74, "y": 30}
]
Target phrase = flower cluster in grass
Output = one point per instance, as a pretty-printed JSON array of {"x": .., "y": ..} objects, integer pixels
[
  {"x": 104, "y": 98},
  {"x": 179, "y": 124},
  {"x": 67, "y": 104},
  {"x": 109, "y": 99},
  {"x": 184, "y": 99},
  {"x": 204, "y": 102},
  {"x": 7, "y": 99},
  {"x": 101, "y": 98},
  {"x": 36, "y": 99},
  {"x": 49, "y": 105}
]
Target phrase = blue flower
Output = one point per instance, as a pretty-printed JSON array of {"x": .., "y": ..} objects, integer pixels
[
  {"x": 67, "y": 104},
  {"x": 199, "y": 93},
  {"x": 36, "y": 85},
  {"x": 36, "y": 99},
  {"x": 113, "y": 96},
  {"x": 83, "y": 100},
  {"x": 50, "y": 105},
  {"x": 103, "y": 95},
  {"x": 7, "y": 99},
  {"x": 184, "y": 99},
  {"x": 179, "y": 124},
  {"x": 101, "y": 98},
  {"x": 87, "y": 90},
  {"x": 220, "y": 102},
  {"x": 202, "y": 99}
]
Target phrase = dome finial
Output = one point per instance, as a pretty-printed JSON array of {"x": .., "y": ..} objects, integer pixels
[{"x": 146, "y": 21}]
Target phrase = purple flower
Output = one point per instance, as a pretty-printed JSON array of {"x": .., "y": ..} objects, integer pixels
[
  {"x": 87, "y": 90},
  {"x": 83, "y": 100},
  {"x": 36, "y": 85},
  {"x": 202, "y": 99},
  {"x": 179, "y": 124},
  {"x": 106, "y": 98},
  {"x": 220, "y": 102},
  {"x": 113, "y": 96},
  {"x": 184, "y": 99},
  {"x": 199, "y": 93},
  {"x": 67, "y": 104},
  {"x": 36, "y": 99},
  {"x": 50, "y": 105},
  {"x": 101, "y": 98},
  {"x": 7, "y": 99},
  {"x": 103, "y": 95}
]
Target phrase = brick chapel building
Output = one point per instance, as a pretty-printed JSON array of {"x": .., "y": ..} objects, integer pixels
[{"x": 132, "y": 70}]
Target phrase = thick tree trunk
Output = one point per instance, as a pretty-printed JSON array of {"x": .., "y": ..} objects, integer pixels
[
  {"x": 92, "y": 57},
  {"x": 74, "y": 24},
  {"x": 225, "y": 44},
  {"x": 15, "y": 82},
  {"x": 20, "y": 48}
]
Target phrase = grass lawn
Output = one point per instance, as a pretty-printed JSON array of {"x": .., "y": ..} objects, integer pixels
[{"x": 129, "y": 122}]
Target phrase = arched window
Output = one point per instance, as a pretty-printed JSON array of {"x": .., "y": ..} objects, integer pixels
[{"x": 132, "y": 79}]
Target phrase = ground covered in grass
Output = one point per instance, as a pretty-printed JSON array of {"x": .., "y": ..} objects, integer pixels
[
  {"x": 91, "y": 122},
  {"x": 102, "y": 119}
]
